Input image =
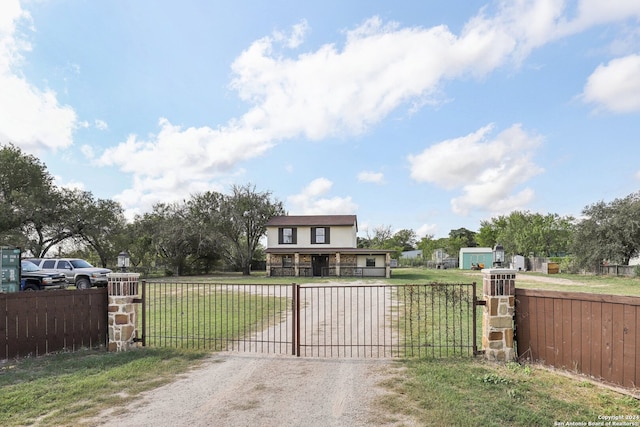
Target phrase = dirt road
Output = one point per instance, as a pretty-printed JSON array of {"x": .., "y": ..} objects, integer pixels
[{"x": 261, "y": 390}]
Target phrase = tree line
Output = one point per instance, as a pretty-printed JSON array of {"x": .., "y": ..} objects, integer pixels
[
  {"x": 205, "y": 232},
  {"x": 210, "y": 230},
  {"x": 606, "y": 232}
]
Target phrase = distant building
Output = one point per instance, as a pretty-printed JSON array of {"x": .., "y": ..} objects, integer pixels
[
  {"x": 474, "y": 256},
  {"x": 518, "y": 263},
  {"x": 411, "y": 254}
]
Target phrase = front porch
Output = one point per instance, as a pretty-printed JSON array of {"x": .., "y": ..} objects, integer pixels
[{"x": 347, "y": 263}]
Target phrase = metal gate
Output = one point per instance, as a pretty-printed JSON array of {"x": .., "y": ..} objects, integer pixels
[{"x": 313, "y": 320}]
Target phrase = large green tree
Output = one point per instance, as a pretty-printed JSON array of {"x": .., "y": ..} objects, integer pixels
[
  {"x": 206, "y": 217},
  {"x": 609, "y": 232},
  {"x": 243, "y": 222},
  {"x": 33, "y": 212},
  {"x": 169, "y": 227},
  {"x": 526, "y": 233},
  {"x": 26, "y": 189},
  {"x": 98, "y": 223}
]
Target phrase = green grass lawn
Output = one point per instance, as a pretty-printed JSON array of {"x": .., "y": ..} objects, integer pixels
[
  {"x": 471, "y": 392},
  {"x": 61, "y": 389}
]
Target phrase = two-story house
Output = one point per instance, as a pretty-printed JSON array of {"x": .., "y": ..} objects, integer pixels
[{"x": 321, "y": 245}]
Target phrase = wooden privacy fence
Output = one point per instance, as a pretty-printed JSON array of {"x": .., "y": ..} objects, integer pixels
[
  {"x": 36, "y": 323},
  {"x": 596, "y": 335}
]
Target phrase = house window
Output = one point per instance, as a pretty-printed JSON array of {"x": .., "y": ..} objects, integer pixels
[
  {"x": 287, "y": 236},
  {"x": 371, "y": 262},
  {"x": 287, "y": 261},
  {"x": 319, "y": 235}
]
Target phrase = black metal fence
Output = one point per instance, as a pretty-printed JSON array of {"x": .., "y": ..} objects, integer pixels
[
  {"x": 377, "y": 320},
  {"x": 432, "y": 320},
  {"x": 217, "y": 316}
]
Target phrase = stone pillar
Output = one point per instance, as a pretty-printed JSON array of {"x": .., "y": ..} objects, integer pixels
[
  {"x": 337, "y": 264},
  {"x": 122, "y": 290},
  {"x": 498, "y": 286}
]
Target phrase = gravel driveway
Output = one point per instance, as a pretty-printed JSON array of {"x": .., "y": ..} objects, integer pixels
[
  {"x": 264, "y": 390},
  {"x": 257, "y": 389}
]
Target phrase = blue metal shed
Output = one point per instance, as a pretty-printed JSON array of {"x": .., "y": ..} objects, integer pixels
[{"x": 469, "y": 256}]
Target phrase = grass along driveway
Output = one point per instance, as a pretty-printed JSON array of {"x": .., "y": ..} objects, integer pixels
[{"x": 74, "y": 388}]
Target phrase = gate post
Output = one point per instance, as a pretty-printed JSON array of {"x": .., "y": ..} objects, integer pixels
[
  {"x": 122, "y": 290},
  {"x": 498, "y": 288}
]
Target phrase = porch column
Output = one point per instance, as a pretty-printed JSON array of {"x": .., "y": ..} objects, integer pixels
[
  {"x": 296, "y": 264},
  {"x": 499, "y": 288},
  {"x": 387, "y": 266},
  {"x": 338, "y": 264},
  {"x": 268, "y": 264}
]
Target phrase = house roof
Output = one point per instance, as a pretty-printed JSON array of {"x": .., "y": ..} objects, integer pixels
[{"x": 312, "y": 220}]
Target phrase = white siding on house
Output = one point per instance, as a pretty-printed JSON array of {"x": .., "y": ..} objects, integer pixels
[
  {"x": 379, "y": 260},
  {"x": 339, "y": 237}
]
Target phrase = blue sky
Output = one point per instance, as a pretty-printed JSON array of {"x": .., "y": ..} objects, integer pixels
[{"x": 408, "y": 114}]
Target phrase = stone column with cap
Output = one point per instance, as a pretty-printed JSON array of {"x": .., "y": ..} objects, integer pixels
[
  {"x": 123, "y": 291},
  {"x": 498, "y": 285}
]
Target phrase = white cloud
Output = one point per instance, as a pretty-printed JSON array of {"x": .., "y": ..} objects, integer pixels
[
  {"x": 29, "y": 117},
  {"x": 426, "y": 229},
  {"x": 596, "y": 12},
  {"x": 101, "y": 124},
  {"x": 87, "y": 151},
  {"x": 295, "y": 38},
  {"x": 311, "y": 201},
  {"x": 373, "y": 177},
  {"x": 334, "y": 90},
  {"x": 342, "y": 90},
  {"x": 616, "y": 85},
  {"x": 71, "y": 185},
  {"x": 489, "y": 172}
]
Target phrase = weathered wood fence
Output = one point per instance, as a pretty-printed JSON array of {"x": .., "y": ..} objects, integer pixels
[
  {"x": 617, "y": 270},
  {"x": 36, "y": 323},
  {"x": 596, "y": 335}
]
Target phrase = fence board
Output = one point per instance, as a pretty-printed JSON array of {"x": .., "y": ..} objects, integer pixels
[
  {"x": 558, "y": 322},
  {"x": 36, "y": 323},
  {"x": 617, "y": 345},
  {"x": 575, "y": 330},
  {"x": 598, "y": 335},
  {"x": 607, "y": 341},
  {"x": 550, "y": 353},
  {"x": 523, "y": 330},
  {"x": 567, "y": 342},
  {"x": 629, "y": 345},
  {"x": 586, "y": 346}
]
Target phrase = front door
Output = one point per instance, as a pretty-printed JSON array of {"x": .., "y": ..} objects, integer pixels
[{"x": 320, "y": 265}]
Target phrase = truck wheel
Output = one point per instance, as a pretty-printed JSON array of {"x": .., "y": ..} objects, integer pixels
[
  {"x": 83, "y": 284},
  {"x": 31, "y": 287}
]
